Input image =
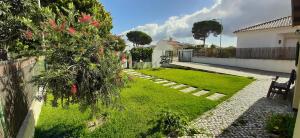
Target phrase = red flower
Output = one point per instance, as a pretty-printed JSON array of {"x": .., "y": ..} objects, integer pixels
[
  {"x": 72, "y": 31},
  {"x": 28, "y": 35},
  {"x": 74, "y": 89},
  {"x": 85, "y": 18},
  {"x": 53, "y": 23},
  {"x": 95, "y": 24}
]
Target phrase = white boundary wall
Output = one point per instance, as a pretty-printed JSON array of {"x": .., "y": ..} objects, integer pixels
[{"x": 284, "y": 66}]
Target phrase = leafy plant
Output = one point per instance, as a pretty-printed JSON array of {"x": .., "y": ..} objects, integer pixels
[
  {"x": 138, "y": 38},
  {"x": 92, "y": 7},
  {"x": 282, "y": 125},
  {"x": 140, "y": 53},
  {"x": 12, "y": 39},
  {"x": 81, "y": 65},
  {"x": 173, "y": 125}
]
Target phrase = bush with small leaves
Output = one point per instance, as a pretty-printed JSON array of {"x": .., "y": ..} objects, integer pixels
[
  {"x": 173, "y": 125},
  {"x": 281, "y": 125}
]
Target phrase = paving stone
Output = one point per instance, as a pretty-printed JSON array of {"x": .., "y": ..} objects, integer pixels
[
  {"x": 178, "y": 86},
  {"x": 131, "y": 72},
  {"x": 169, "y": 84},
  {"x": 200, "y": 93},
  {"x": 215, "y": 96},
  {"x": 161, "y": 82},
  {"x": 189, "y": 89},
  {"x": 158, "y": 79}
]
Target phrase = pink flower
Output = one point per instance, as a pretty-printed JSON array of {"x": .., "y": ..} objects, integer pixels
[
  {"x": 72, "y": 31},
  {"x": 85, "y": 18},
  {"x": 52, "y": 23},
  {"x": 95, "y": 24},
  {"x": 74, "y": 89},
  {"x": 28, "y": 35}
]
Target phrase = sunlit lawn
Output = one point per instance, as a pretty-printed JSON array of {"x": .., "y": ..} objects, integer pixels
[{"x": 141, "y": 101}]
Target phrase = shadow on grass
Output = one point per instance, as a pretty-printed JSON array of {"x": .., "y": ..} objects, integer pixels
[{"x": 60, "y": 131}]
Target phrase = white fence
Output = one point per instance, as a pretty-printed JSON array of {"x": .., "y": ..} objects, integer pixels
[{"x": 284, "y": 66}]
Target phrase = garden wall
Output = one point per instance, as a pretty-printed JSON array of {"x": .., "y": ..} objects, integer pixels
[
  {"x": 16, "y": 93},
  {"x": 284, "y": 66}
]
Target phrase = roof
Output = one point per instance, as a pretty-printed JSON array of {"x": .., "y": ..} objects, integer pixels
[
  {"x": 281, "y": 22},
  {"x": 177, "y": 45}
]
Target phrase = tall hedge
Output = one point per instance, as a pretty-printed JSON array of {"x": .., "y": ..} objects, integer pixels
[{"x": 141, "y": 53}]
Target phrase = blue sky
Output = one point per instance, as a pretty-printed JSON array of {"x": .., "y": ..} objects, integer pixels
[
  {"x": 128, "y": 14},
  {"x": 162, "y": 19}
]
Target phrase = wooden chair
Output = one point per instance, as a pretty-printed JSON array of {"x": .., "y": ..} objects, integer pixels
[{"x": 282, "y": 88}]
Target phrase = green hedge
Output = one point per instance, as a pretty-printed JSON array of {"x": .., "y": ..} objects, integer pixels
[{"x": 141, "y": 53}]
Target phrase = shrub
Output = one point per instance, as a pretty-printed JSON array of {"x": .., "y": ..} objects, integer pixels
[
  {"x": 282, "y": 125},
  {"x": 140, "y": 53},
  {"x": 172, "y": 124},
  {"x": 81, "y": 65}
]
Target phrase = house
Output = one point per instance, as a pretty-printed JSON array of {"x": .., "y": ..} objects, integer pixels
[
  {"x": 166, "y": 47},
  {"x": 275, "y": 33}
]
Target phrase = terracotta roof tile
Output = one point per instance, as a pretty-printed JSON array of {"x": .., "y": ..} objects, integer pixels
[{"x": 282, "y": 22}]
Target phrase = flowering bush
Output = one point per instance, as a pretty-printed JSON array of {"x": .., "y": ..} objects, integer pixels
[{"x": 81, "y": 68}]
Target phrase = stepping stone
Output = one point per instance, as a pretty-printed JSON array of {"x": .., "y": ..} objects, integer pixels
[
  {"x": 189, "y": 89},
  {"x": 169, "y": 84},
  {"x": 200, "y": 93},
  {"x": 131, "y": 73},
  {"x": 158, "y": 79},
  {"x": 161, "y": 82},
  {"x": 215, "y": 96},
  {"x": 178, "y": 86}
]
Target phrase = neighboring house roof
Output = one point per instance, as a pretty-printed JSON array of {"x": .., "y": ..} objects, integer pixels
[
  {"x": 176, "y": 44},
  {"x": 281, "y": 22}
]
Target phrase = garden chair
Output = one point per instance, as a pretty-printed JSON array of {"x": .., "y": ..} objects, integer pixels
[{"x": 282, "y": 88}]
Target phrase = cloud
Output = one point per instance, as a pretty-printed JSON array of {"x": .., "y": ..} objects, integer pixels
[{"x": 235, "y": 14}]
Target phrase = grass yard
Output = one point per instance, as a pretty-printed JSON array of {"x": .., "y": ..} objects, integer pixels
[
  {"x": 141, "y": 100},
  {"x": 221, "y": 83}
]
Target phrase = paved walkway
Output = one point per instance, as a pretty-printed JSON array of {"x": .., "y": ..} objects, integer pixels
[{"x": 244, "y": 114}]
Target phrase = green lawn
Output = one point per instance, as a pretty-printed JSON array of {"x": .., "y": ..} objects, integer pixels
[
  {"x": 141, "y": 101},
  {"x": 221, "y": 83}
]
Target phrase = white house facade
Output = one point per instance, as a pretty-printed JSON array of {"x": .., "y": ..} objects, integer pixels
[
  {"x": 269, "y": 46},
  {"x": 275, "y": 33},
  {"x": 162, "y": 47}
]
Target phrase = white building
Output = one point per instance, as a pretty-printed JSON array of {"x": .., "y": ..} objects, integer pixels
[
  {"x": 166, "y": 46},
  {"x": 275, "y": 33}
]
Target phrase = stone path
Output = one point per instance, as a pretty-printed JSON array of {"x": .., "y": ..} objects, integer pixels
[
  {"x": 189, "y": 89},
  {"x": 174, "y": 85},
  {"x": 244, "y": 114},
  {"x": 200, "y": 93},
  {"x": 215, "y": 96}
]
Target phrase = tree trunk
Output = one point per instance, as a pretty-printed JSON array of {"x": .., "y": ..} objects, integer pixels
[{"x": 204, "y": 47}]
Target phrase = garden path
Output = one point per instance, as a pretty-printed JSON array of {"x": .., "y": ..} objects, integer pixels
[
  {"x": 244, "y": 114},
  {"x": 180, "y": 87}
]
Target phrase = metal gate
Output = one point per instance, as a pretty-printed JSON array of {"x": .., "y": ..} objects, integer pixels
[{"x": 185, "y": 55}]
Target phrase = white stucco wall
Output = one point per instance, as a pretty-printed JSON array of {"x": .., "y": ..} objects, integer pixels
[
  {"x": 284, "y": 66},
  {"x": 268, "y": 38},
  {"x": 158, "y": 51}
]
